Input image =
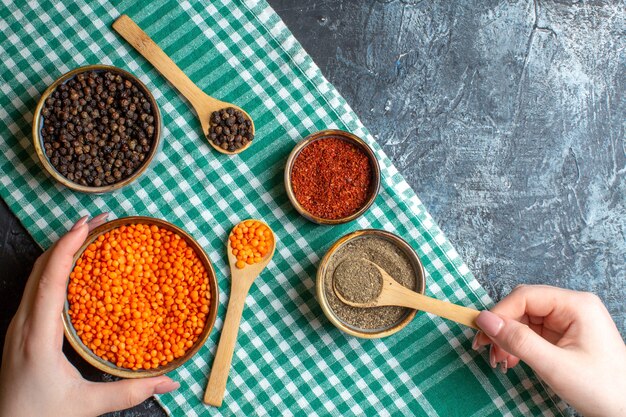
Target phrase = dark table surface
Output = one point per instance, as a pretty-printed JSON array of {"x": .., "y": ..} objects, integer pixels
[{"x": 506, "y": 118}]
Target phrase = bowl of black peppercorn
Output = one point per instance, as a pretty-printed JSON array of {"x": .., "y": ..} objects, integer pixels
[{"x": 96, "y": 129}]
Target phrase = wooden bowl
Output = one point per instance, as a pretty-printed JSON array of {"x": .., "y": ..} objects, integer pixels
[
  {"x": 111, "y": 368},
  {"x": 348, "y": 137},
  {"x": 38, "y": 125},
  {"x": 420, "y": 277}
]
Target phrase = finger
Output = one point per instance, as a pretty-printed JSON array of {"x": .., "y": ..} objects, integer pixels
[
  {"x": 104, "y": 397},
  {"x": 50, "y": 293},
  {"x": 519, "y": 340},
  {"x": 492, "y": 356},
  {"x": 554, "y": 308},
  {"x": 512, "y": 361},
  {"x": 548, "y": 334},
  {"x": 476, "y": 341},
  {"x": 97, "y": 221},
  {"x": 481, "y": 340},
  {"x": 31, "y": 288},
  {"x": 499, "y": 354}
]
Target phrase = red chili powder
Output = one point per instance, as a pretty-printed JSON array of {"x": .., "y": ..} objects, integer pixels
[{"x": 331, "y": 178}]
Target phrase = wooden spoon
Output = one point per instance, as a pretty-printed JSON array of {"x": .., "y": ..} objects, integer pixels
[
  {"x": 202, "y": 103},
  {"x": 241, "y": 280},
  {"x": 394, "y": 294}
]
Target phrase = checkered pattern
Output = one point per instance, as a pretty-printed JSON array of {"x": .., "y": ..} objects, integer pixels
[{"x": 289, "y": 359}]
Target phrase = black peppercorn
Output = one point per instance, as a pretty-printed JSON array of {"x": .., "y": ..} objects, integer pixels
[
  {"x": 230, "y": 129},
  {"x": 87, "y": 126}
]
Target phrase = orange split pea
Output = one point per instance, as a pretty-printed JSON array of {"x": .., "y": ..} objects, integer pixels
[
  {"x": 139, "y": 296},
  {"x": 250, "y": 241}
]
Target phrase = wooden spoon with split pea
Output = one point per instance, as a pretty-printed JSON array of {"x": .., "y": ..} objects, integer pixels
[
  {"x": 241, "y": 281},
  {"x": 203, "y": 104},
  {"x": 392, "y": 293}
]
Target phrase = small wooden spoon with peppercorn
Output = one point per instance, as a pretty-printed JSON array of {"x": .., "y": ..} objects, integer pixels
[
  {"x": 243, "y": 275},
  {"x": 392, "y": 293},
  {"x": 220, "y": 115}
]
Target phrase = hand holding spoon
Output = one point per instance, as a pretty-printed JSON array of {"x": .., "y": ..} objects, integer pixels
[
  {"x": 203, "y": 104},
  {"x": 392, "y": 293},
  {"x": 242, "y": 277}
]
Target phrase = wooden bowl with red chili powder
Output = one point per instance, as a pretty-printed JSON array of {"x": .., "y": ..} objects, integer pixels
[
  {"x": 141, "y": 299},
  {"x": 332, "y": 177}
]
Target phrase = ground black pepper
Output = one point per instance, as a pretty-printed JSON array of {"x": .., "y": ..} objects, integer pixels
[
  {"x": 97, "y": 128},
  {"x": 389, "y": 257},
  {"x": 230, "y": 129},
  {"x": 358, "y": 280}
]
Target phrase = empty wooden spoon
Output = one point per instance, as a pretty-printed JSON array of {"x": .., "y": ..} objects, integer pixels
[
  {"x": 241, "y": 281},
  {"x": 392, "y": 293},
  {"x": 202, "y": 103}
]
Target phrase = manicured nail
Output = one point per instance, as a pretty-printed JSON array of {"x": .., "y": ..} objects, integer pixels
[
  {"x": 475, "y": 342},
  {"x": 80, "y": 223},
  {"x": 97, "y": 221},
  {"x": 166, "y": 386},
  {"x": 489, "y": 323},
  {"x": 492, "y": 357},
  {"x": 503, "y": 366}
]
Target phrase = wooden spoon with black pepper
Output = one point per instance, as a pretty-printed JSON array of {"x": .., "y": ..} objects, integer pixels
[
  {"x": 392, "y": 293},
  {"x": 203, "y": 104}
]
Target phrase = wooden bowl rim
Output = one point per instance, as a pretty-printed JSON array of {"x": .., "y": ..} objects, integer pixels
[
  {"x": 348, "y": 137},
  {"x": 111, "y": 368},
  {"x": 38, "y": 140},
  {"x": 321, "y": 294}
]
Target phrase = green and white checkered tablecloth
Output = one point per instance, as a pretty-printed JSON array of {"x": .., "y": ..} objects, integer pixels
[{"x": 289, "y": 359}]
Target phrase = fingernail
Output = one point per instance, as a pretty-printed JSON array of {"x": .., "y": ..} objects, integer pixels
[
  {"x": 96, "y": 221},
  {"x": 80, "y": 223},
  {"x": 475, "y": 342},
  {"x": 503, "y": 366},
  {"x": 100, "y": 217},
  {"x": 489, "y": 323},
  {"x": 492, "y": 357},
  {"x": 166, "y": 386}
]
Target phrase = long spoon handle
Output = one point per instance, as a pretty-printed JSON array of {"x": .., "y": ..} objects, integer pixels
[
  {"x": 407, "y": 298},
  {"x": 214, "y": 393},
  {"x": 129, "y": 30}
]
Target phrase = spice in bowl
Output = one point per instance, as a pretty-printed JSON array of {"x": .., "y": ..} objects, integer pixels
[
  {"x": 139, "y": 296},
  {"x": 331, "y": 178},
  {"x": 250, "y": 241},
  {"x": 358, "y": 282},
  {"x": 230, "y": 129},
  {"x": 98, "y": 128}
]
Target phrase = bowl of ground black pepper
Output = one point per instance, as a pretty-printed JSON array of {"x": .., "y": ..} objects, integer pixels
[
  {"x": 96, "y": 129},
  {"x": 342, "y": 266},
  {"x": 332, "y": 177}
]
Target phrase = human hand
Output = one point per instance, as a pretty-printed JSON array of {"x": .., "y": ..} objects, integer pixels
[
  {"x": 568, "y": 338},
  {"x": 36, "y": 379}
]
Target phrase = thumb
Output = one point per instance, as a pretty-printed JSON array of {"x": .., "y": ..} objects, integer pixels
[
  {"x": 50, "y": 294},
  {"x": 119, "y": 395},
  {"x": 519, "y": 340}
]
